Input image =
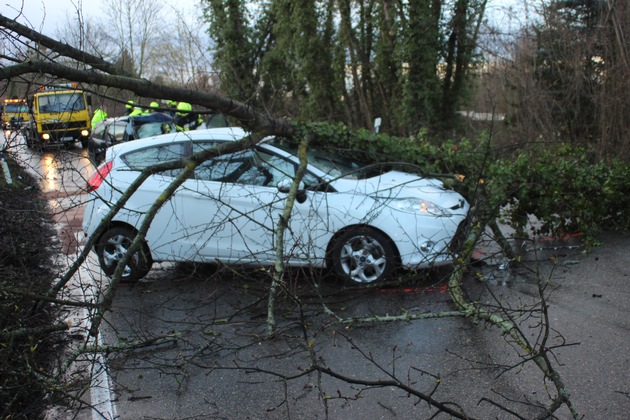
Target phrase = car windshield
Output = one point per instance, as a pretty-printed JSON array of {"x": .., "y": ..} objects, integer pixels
[
  {"x": 332, "y": 162},
  {"x": 61, "y": 102},
  {"x": 152, "y": 129}
]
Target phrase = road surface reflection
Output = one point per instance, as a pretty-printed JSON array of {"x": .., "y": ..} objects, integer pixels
[
  {"x": 62, "y": 174},
  {"x": 63, "y": 169}
]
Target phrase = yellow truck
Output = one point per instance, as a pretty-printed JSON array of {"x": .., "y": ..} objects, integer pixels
[
  {"x": 15, "y": 114},
  {"x": 59, "y": 115}
]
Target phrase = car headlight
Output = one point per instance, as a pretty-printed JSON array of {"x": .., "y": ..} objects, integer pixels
[{"x": 415, "y": 205}]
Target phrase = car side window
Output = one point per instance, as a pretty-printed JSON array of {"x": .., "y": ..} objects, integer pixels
[
  {"x": 277, "y": 167},
  {"x": 205, "y": 170},
  {"x": 200, "y": 146},
  {"x": 116, "y": 132},
  {"x": 144, "y": 158},
  {"x": 248, "y": 167},
  {"x": 280, "y": 167},
  {"x": 98, "y": 131},
  {"x": 239, "y": 167}
]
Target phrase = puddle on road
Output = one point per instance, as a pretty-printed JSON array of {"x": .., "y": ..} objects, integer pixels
[{"x": 546, "y": 252}]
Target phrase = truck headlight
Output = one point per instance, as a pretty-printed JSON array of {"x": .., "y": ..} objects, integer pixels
[{"x": 46, "y": 136}]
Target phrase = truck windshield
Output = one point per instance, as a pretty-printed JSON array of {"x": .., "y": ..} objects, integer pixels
[
  {"x": 15, "y": 108},
  {"x": 61, "y": 102}
]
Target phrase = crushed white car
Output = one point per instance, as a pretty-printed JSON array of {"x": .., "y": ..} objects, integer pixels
[{"x": 361, "y": 221}]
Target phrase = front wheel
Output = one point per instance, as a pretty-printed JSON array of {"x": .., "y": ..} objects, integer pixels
[
  {"x": 111, "y": 248},
  {"x": 363, "y": 255}
]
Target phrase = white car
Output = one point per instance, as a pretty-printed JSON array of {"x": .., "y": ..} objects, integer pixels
[{"x": 361, "y": 221}]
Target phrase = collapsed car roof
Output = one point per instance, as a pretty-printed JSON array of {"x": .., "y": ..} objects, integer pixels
[{"x": 149, "y": 118}]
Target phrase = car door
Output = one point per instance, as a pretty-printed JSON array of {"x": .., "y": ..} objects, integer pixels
[
  {"x": 312, "y": 222},
  {"x": 233, "y": 206},
  {"x": 226, "y": 208},
  {"x": 165, "y": 232}
]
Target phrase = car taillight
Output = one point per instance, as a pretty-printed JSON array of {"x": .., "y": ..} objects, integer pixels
[{"x": 97, "y": 177}]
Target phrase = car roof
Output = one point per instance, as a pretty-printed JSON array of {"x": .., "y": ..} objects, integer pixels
[
  {"x": 115, "y": 119},
  {"x": 153, "y": 117},
  {"x": 111, "y": 120},
  {"x": 222, "y": 133}
]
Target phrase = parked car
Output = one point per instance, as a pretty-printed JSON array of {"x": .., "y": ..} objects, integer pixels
[
  {"x": 359, "y": 220},
  {"x": 121, "y": 129}
]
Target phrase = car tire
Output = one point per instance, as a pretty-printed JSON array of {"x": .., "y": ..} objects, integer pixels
[
  {"x": 112, "y": 246},
  {"x": 362, "y": 255}
]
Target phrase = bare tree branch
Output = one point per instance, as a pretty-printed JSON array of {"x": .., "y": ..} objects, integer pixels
[{"x": 111, "y": 76}]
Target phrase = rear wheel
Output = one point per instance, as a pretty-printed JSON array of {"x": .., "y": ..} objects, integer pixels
[
  {"x": 363, "y": 255},
  {"x": 113, "y": 246}
]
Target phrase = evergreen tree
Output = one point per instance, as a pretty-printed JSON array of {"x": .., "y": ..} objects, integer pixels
[{"x": 348, "y": 60}]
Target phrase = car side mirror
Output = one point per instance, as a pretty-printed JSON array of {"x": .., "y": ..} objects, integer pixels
[{"x": 284, "y": 185}]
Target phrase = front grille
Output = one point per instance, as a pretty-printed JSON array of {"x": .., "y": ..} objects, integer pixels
[{"x": 63, "y": 126}]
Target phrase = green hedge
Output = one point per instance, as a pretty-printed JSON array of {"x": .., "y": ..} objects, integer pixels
[{"x": 563, "y": 186}]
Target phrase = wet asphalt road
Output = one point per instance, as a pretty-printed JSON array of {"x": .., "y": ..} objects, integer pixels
[{"x": 221, "y": 366}]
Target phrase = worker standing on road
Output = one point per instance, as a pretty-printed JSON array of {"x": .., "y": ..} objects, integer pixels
[
  {"x": 183, "y": 116},
  {"x": 132, "y": 110},
  {"x": 99, "y": 115},
  {"x": 186, "y": 119},
  {"x": 153, "y": 107},
  {"x": 184, "y": 108},
  {"x": 172, "y": 105}
]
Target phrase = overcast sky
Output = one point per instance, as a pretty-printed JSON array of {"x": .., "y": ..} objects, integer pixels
[{"x": 47, "y": 15}]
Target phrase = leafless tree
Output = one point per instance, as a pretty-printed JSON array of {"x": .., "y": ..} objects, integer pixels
[{"x": 137, "y": 26}]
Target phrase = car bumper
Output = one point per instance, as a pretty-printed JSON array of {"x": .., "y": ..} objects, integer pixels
[{"x": 424, "y": 242}]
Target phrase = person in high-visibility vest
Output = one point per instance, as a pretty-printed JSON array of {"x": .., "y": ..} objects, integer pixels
[
  {"x": 183, "y": 116},
  {"x": 186, "y": 119},
  {"x": 172, "y": 105},
  {"x": 99, "y": 115},
  {"x": 132, "y": 110},
  {"x": 153, "y": 106}
]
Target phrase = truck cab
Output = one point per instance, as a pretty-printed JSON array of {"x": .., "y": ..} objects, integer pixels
[
  {"x": 60, "y": 115},
  {"x": 15, "y": 114}
]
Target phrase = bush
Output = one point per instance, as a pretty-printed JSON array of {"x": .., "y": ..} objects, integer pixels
[
  {"x": 563, "y": 186},
  {"x": 25, "y": 272}
]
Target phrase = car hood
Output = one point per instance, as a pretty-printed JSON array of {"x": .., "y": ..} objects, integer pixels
[{"x": 399, "y": 185}]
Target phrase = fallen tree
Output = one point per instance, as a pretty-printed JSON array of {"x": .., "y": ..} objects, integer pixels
[{"x": 484, "y": 187}]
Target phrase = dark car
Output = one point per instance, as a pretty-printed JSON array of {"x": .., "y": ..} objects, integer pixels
[{"x": 121, "y": 129}]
